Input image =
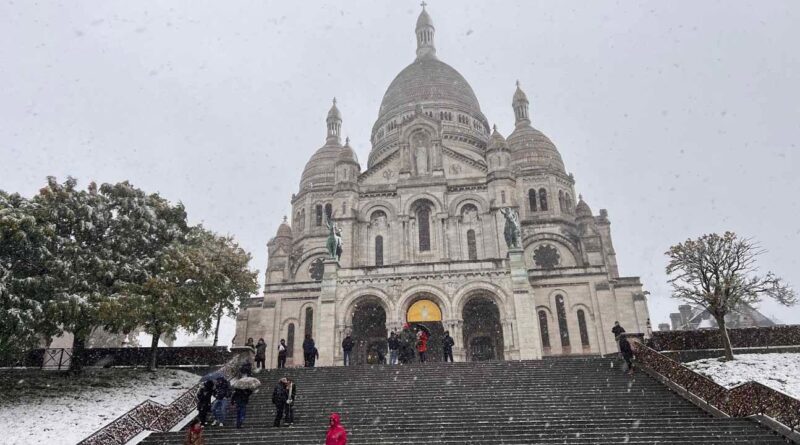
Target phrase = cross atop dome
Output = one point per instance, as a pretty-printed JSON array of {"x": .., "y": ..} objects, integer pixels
[{"x": 425, "y": 32}]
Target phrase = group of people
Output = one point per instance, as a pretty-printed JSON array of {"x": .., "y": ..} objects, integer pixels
[
  {"x": 403, "y": 347},
  {"x": 310, "y": 352},
  {"x": 224, "y": 395}
]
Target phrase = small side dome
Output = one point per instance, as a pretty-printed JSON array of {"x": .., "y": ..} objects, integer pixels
[
  {"x": 582, "y": 209},
  {"x": 347, "y": 154},
  {"x": 530, "y": 148},
  {"x": 497, "y": 142},
  {"x": 284, "y": 230}
]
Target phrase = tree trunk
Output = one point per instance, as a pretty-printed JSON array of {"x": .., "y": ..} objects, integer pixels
[
  {"x": 216, "y": 330},
  {"x": 78, "y": 346},
  {"x": 154, "y": 351},
  {"x": 726, "y": 341}
]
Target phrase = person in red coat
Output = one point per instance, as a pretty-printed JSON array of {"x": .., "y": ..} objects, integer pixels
[
  {"x": 422, "y": 345},
  {"x": 336, "y": 433}
]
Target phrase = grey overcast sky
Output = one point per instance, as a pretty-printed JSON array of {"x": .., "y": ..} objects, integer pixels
[{"x": 679, "y": 117}]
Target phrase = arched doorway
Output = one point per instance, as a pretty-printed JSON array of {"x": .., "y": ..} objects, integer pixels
[
  {"x": 369, "y": 332},
  {"x": 483, "y": 333},
  {"x": 425, "y": 314}
]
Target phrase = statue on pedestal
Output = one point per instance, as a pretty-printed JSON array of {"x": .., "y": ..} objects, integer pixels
[
  {"x": 512, "y": 231},
  {"x": 334, "y": 242}
]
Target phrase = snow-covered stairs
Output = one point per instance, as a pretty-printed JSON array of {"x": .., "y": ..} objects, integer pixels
[{"x": 571, "y": 400}]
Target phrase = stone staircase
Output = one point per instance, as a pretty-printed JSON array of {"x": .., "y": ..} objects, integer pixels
[{"x": 571, "y": 400}]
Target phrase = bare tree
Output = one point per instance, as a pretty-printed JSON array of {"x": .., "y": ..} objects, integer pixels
[{"x": 719, "y": 273}]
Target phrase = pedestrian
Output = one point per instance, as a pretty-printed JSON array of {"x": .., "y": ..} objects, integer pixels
[
  {"x": 308, "y": 351},
  {"x": 246, "y": 370},
  {"x": 279, "y": 397},
  {"x": 314, "y": 357},
  {"x": 617, "y": 330},
  {"x": 394, "y": 345},
  {"x": 194, "y": 435},
  {"x": 249, "y": 343},
  {"x": 422, "y": 345},
  {"x": 239, "y": 399},
  {"x": 337, "y": 435},
  {"x": 261, "y": 353},
  {"x": 447, "y": 345},
  {"x": 282, "y": 354},
  {"x": 407, "y": 344},
  {"x": 347, "y": 347},
  {"x": 222, "y": 392},
  {"x": 291, "y": 396},
  {"x": 627, "y": 353},
  {"x": 204, "y": 396}
]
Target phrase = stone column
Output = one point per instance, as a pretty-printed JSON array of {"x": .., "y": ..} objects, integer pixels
[
  {"x": 327, "y": 313},
  {"x": 530, "y": 345},
  {"x": 445, "y": 252}
]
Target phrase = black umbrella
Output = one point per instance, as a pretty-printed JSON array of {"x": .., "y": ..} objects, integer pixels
[{"x": 422, "y": 327}]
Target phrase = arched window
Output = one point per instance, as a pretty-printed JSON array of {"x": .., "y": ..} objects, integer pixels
[
  {"x": 328, "y": 210},
  {"x": 543, "y": 200},
  {"x": 344, "y": 208},
  {"x": 290, "y": 340},
  {"x": 379, "y": 250},
  {"x": 472, "y": 248},
  {"x": 309, "y": 328},
  {"x": 319, "y": 215},
  {"x": 502, "y": 196},
  {"x": 532, "y": 199},
  {"x": 561, "y": 203},
  {"x": 543, "y": 328},
  {"x": 562, "y": 323},
  {"x": 582, "y": 328},
  {"x": 424, "y": 225}
]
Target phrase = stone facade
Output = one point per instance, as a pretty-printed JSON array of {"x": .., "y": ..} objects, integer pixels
[{"x": 424, "y": 221}]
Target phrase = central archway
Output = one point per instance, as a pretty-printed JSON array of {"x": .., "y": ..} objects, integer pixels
[
  {"x": 483, "y": 332},
  {"x": 425, "y": 314},
  {"x": 369, "y": 332}
]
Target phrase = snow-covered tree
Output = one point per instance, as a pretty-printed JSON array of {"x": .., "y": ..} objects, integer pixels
[
  {"x": 719, "y": 273},
  {"x": 226, "y": 282},
  {"x": 23, "y": 291}
]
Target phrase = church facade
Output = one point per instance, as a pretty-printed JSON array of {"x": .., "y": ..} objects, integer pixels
[{"x": 422, "y": 237}]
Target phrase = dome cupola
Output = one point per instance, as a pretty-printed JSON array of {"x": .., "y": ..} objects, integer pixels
[
  {"x": 442, "y": 92},
  {"x": 582, "y": 210},
  {"x": 319, "y": 170},
  {"x": 530, "y": 148}
]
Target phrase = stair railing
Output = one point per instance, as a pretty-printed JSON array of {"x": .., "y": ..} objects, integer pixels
[
  {"x": 744, "y": 400},
  {"x": 153, "y": 416}
]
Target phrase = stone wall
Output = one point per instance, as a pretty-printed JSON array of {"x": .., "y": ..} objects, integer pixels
[
  {"x": 740, "y": 338},
  {"x": 176, "y": 356}
]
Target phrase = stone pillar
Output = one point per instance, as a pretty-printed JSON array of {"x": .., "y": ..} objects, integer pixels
[
  {"x": 529, "y": 346},
  {"x": 456, "y": 328},
  {"x": 327, "y": 314}
]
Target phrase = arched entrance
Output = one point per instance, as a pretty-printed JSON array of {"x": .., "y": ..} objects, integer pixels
[
  {"x": 425, "y": 314},
  {"x": 483, "y": 333},
  {"x": 369, "y": 333}
]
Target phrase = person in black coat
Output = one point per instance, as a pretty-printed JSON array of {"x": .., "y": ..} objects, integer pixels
[
  {"x": 394, "y": 346},
  {"x": 447, "y": 345},
  {"x": 222, "y": 393},
  {"x": 279, "y": 398},
  {"x": 347, "y": 348},
  {"x": 617, "y": 330},
  {"x": 282, "y": 354},
  {"x": 240, "y": 398},
  {"x": 261, "y": 353},
  {"x": 204, "y": 396},
  {"x": 626, "y": 352},
  {"x": 308, "y": 352}
]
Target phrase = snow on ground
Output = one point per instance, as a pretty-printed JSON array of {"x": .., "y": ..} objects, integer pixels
[
  {"x": 778, "y": 371},
  {"x": 47, "y": 407}
]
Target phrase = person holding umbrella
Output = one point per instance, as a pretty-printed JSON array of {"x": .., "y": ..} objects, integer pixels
[
  {"x": 291, "y": 392},
  {"x": 242, "y": 389}
]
